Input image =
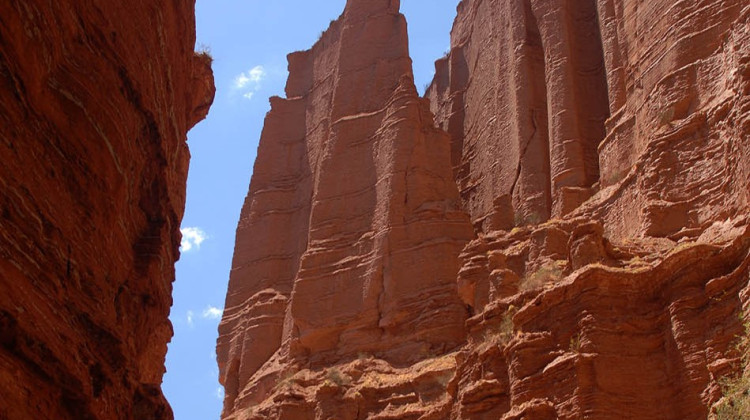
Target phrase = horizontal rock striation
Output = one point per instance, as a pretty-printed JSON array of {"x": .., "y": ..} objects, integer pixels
[
  {"x": 95, "y": 104},
  {"x": 601, "y": 151}
]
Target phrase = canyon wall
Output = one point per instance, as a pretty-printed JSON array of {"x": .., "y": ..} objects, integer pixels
[
  {"x": 96, "y": 99},
  {"x": 523, "y": 94},
  {"x": 596, "y": 156}
]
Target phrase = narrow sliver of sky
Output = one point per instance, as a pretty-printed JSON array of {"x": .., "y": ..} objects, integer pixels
[{"x": 249, "y": 41}]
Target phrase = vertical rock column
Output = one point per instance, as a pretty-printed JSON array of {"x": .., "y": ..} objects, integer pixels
[
  {"x": 349, "y": 238},
  {"x": 489, "y": 93},
  {"x": 578, "y": 105}
]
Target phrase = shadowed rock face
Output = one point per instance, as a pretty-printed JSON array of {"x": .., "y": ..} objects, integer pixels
[
  {"x": 95, "y": 104},
  {"x": 600, "y": 151}
]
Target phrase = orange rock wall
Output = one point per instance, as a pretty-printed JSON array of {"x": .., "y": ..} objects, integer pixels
[
  {"x": 600, "y": 151},
  {"x": 95, "y": 102}
]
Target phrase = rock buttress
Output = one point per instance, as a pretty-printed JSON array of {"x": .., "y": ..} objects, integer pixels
[
  {"x": 95, "y": 103},
  {"x": 348, "y": 240}
]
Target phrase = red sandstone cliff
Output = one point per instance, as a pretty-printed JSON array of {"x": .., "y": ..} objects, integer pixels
[
  {"x": 600, "y": 151},
  {"x": 95, "y": 102},
  {"x": 353, "y": 197}
]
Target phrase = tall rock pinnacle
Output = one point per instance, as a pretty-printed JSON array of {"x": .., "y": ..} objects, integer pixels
[{"x": 349, "y": 238}]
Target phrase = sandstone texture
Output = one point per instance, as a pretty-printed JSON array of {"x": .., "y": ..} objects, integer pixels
[
  {"x": 595, "y": 155},
  {"x": 95, "y": 102}
]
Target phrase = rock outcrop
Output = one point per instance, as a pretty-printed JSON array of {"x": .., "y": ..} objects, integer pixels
[
  {"x": 95, "y": 104},
  {"x": 601, "y": 153}
]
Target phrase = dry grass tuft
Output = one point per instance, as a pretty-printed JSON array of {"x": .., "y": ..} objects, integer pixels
[
  {"x": 736, "y": 402},
  {"x": 548, "y": 272},
  {"x": 502, "y": 333}
]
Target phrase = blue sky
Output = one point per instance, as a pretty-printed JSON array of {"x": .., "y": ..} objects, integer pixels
[{"x": 249, "y": 40}]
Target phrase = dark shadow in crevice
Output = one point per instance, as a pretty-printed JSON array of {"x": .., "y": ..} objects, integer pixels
[{"x": 590, "y": 76}]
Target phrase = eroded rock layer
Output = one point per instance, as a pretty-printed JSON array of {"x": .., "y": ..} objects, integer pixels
[
  {"x": 601, "y": 150},
  {"x": 95, "y": 103}
]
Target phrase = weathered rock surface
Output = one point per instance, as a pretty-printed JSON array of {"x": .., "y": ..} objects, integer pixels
[
  {"x": 601, "y": 150},
  {"x": 95, "y": 104}
]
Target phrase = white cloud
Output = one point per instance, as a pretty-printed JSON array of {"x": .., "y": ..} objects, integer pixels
[
  {"x": 257, "y": 73},
  {"x": 192, "y": 237},
  {"x": 241, "y": 81},
  {"x": 212, "y": 312},
  {"x": 219, "y": 393},
  {"x": 249, "y": 82},
  {"x": 190, "y": 318}
]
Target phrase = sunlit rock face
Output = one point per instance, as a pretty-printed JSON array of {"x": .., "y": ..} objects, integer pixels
[
  {"x": 349, "y": 238},
  {"x": 563, "y": 234},
  {"x": 95, "y": 104}
]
